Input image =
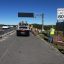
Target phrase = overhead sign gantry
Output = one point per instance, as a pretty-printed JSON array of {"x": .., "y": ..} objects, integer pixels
[
  {"x": 30, "y": 15},
  {"x": 22, "y": 14}
]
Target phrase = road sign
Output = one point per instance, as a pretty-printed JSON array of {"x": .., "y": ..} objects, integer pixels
[
  {"x": 22, "y": 14},
  {"x": 60, "y": 14}
]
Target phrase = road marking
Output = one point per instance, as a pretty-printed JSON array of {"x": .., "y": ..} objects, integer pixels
[
  {"x": 12, "y": 33},
  {"x": 5, "y": 37},
  {"x": 6, "y": 51},
  {"x": 3, "y": 55},
  {"x": 7, "y": 33}
]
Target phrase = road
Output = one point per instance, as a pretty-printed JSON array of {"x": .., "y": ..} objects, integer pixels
[
  {"x": 28, "y": 50},
  {"x": 3, "y": 31}
]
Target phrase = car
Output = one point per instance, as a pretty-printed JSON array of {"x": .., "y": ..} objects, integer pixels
[{"x": 5, "y": 27}]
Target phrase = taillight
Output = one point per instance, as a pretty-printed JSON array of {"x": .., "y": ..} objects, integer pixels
[{"x": 21, "y": 30}]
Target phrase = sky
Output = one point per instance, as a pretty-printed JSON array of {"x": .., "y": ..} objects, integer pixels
[{"x": 9, "y": 11}]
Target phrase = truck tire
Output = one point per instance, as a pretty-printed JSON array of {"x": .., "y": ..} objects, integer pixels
[
  {"x": 17, "y": 33},
  {"x": 28, "y": 33}
]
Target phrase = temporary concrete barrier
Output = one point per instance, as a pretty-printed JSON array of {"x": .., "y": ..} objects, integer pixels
[{"x": 6, "y": 34}]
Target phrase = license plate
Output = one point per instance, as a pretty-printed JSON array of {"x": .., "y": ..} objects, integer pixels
[{"x": 22, "y": 32}]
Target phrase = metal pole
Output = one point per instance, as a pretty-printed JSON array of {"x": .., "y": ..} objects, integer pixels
[{"x": 42, "y": 21}]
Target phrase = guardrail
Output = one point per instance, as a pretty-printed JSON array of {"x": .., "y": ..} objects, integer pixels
[
  {"x": 56, "y": 38},
  {"x": 57, "y": 41},
  {"x": 45, "y": 36}
]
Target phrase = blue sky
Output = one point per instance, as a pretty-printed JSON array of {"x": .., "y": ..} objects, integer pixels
[{"x": 9, "y": 10}]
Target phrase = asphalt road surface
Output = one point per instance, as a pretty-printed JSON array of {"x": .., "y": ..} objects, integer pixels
[
  {"x": 28, "y": 50},
  {"x": 3, "y": 31}
]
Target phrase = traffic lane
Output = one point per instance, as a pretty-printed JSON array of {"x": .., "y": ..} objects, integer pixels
[
  {"x": 30, "y": 50},
  {"x": 5, "y": 44},
  {"x": 3, "y": 31},
  {"x": 7, "y": 30},
  {"x": 22, "y": 52}
]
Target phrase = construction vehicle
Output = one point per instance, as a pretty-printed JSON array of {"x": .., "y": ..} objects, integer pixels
[{"x": 23, "y": 29}]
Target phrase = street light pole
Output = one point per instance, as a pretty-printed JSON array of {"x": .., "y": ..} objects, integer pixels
[
  {"x": 42, "y": 16},
  {"x": 42, "y": 21}
]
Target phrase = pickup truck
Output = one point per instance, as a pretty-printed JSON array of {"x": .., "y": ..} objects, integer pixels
[{"x": 23, "y": 30}]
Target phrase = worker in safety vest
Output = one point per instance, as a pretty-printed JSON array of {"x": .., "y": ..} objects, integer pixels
[{"x": 52, "y": 32}]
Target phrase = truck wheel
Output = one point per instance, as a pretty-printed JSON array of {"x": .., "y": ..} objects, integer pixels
[
  {"x": 17, "y": 33},
  {"x": 28, "y": 34}
]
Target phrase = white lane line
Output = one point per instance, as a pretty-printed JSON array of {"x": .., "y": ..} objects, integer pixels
[
  {"x": 6, "y": 51},
  {"x": 7, "y": 33},
  {"x": 4, "y": 38},
  {"x": 3, "y": 55},
  {"x": 12, "y": 33}
]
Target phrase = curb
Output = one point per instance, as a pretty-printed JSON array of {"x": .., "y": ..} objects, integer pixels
[{"x": 51, "y": 46}]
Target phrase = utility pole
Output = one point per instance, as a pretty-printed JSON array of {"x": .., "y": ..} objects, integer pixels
[
  {"x": 42, "y": 17},
  {"x": 42, "y": 21}
]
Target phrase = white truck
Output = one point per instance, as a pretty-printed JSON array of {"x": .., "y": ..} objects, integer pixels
[{"x": 23, "y": 29}]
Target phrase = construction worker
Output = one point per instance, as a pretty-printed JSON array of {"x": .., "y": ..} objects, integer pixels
[{"x": 52, "y": 32}]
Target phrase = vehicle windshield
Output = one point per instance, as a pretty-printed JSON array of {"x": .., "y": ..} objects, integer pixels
[{"x": 23, "y": 27}]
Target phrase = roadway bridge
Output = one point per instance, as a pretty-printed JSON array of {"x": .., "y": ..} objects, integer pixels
[{"x": 28, "y": 50}]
